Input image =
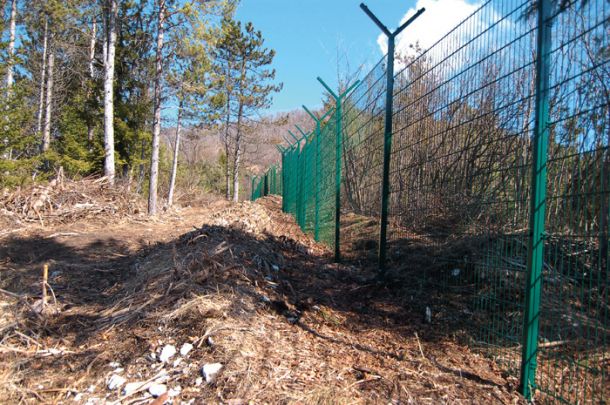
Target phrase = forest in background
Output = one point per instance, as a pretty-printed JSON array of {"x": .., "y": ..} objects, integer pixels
[{"x": 149, "y": 93}]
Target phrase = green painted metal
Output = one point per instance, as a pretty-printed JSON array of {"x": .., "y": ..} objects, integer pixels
[
  {"x": 267, "y": 183},
  {"x": 338, "y": 147},
  {"x": 317, "y": 179},
  {"x": 387, "y": 152},
  {"x": 388, "y": 131},
  {"x": 535, "y": 260},
  {"x": 252, "y": 196},
  {"x": 456, "y": 173}
]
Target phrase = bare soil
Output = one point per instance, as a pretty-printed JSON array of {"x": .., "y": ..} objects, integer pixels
[{"x": 248, "y": 289}]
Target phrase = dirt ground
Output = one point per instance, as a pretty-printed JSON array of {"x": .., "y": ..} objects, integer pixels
[{"x": 247, "y": 289}]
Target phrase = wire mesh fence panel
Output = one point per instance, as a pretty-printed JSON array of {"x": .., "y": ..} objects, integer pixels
[
  {"x": 494, "y": 176},
  {"x": 574, "y": 325},
  {"x": 460, "y": 174},
  {"x": 362, "y": 152},
  {"x": 292, "y": 174},
  {"x": 267, "y": 184},
  {"x": 309, "y": 185},
  {"x": 326, "y": 184}
]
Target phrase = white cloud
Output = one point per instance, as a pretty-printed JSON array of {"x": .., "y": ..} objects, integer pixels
[{"x": 440, "y": 17}]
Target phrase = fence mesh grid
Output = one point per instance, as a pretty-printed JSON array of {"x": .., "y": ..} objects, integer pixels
[
  {"x": 362, "y": 152},
  {"x": 460, "y": 185}
]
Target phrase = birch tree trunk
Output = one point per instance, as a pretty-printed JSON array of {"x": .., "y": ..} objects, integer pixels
[
  {"x": 172, "y": 181},
  {"x": 11, "y": 49},
  {"x": 46, "y": 135},
  {"x": 237, "y": 155},
  {"x": 154, "y": 159},
  {"x": 236, "y": 164},
  {"x": 43, "y": 73},
  {"x": 92, "y": 78},
  {"x": 110, "y": 15},
  {"x": 92, "y": 50}
]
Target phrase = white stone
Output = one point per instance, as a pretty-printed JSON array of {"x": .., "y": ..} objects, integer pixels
[
  {"x": 167, "y": 353},
  {"x": 114, "y": 364},
  {"x": 174, "y": 392},
  {"x": 177, "y": 362},
  {"x": 156, "y": 390},
  {"x": 116, "y": 381},
  {"x": 198, "y": 381},
  {"x": 185, "y": 349},
  {"x": 131, "y": 387},
  {"x": 455, "y": 272},
  {"x": 275, "y": 267},
  {"x": 210, "y": 370}
]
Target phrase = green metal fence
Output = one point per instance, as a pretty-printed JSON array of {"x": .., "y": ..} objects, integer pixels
[
  {"x": 269, "y": 183},
  {"x": 479, "y": 175}
]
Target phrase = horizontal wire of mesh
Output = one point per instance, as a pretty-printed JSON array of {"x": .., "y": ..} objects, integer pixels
[
  {"x": 362, "y": 165},
  {"x": 460, "y": 175}
]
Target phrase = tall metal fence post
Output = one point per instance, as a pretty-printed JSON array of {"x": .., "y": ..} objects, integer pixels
[
  {"x": 338, "y": 144},
  {"x": 303, "y": 182},
  {"x": 387, "y": 135},
  {"x": 252, "y": 189},
  {"x": 535, "y": 262},
  {"x": 296, "y": 175},
  {"x": 283, "y": 163},
  {"x": 265, "y": 185}
]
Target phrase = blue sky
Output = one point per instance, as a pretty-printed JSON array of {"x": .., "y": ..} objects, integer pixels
[{"x": 307, "y": 35}]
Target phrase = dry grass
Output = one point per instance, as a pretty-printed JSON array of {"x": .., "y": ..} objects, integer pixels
[{"x": 248, "y": 290}]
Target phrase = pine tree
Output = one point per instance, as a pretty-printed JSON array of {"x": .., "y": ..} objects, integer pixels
[{"x": 243, "y": 86}]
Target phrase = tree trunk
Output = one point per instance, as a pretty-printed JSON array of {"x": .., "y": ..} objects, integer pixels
[
  {"x": 141, "y": 169},
  {"x": 43, "y": 72},
  {"x": 238, "y": 142},
  {"x": 92, "y": 50},
  {"x": 109, "y": 52},
  {"x": 227, "y": 171},
  {"x": 227, "y": 148},
  {"x": 90, "y": 126},
  {"x": 172, "y": 182},
  {"x": 154, "y": 159},
  {"x": 236, "y": 163},
  {"x": 11, "y": 49},
  {"x": 46, "y": 135}
]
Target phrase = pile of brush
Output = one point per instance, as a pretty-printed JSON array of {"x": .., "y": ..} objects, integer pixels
[{"x": 63, "y": 200}]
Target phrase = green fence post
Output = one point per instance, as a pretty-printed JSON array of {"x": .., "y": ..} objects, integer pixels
[
  {"x": 252, "y": 189},
  {"x": 535, "y": 260},
  {"x": 299, "y": 177},
  {"x": 265, "y": 184},
  {"x": 338, "y": 144},
  {"x": 303, "y": 207},
  {"x": 387, "y": 135}
]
